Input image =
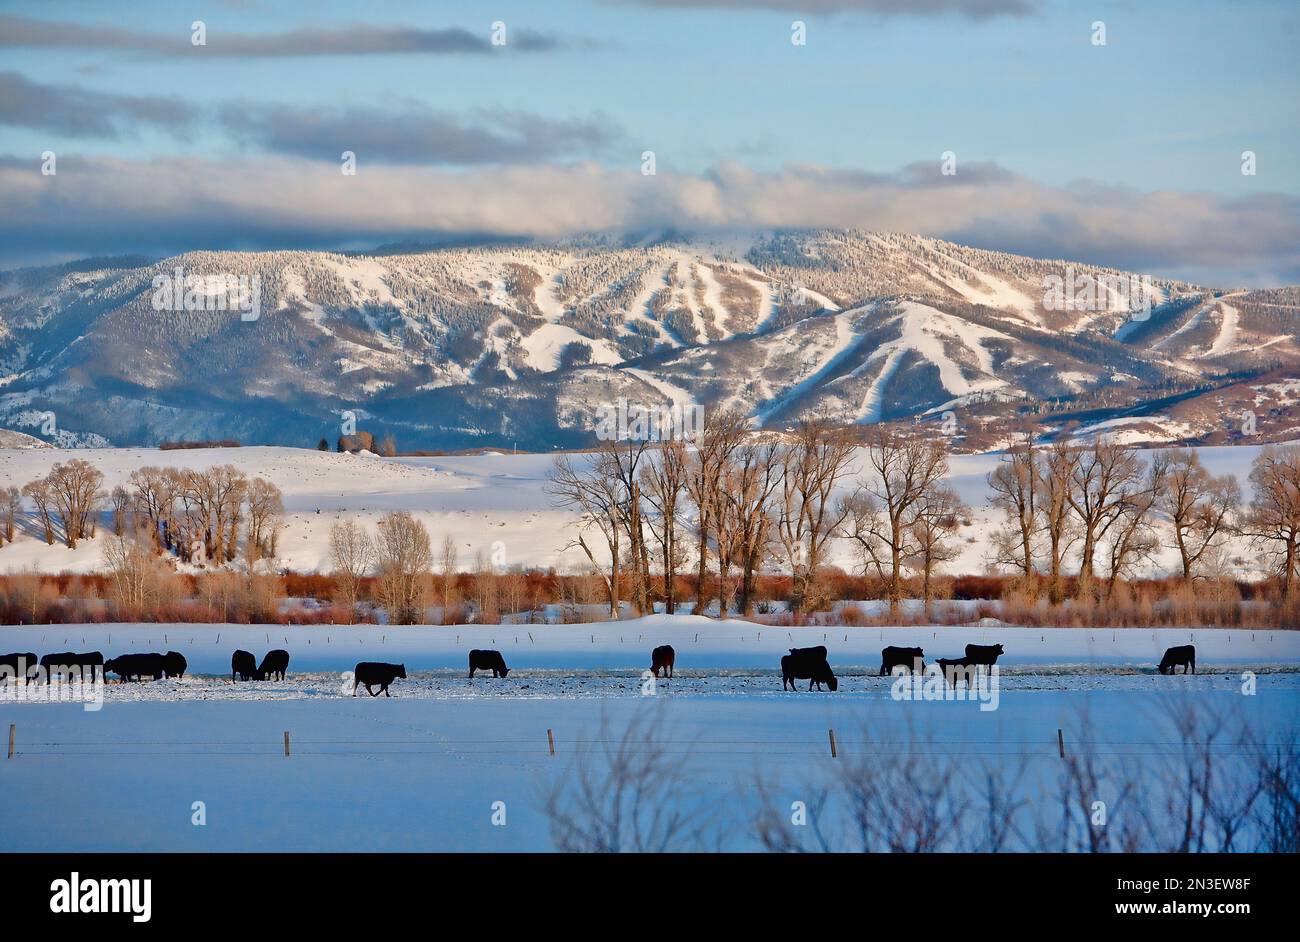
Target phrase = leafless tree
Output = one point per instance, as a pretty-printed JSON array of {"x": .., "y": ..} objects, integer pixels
[
  {"x": 74, "y": 489},
  {"x": 752, "y": 475},
  {"x": 664, "y": 487},
  {"x": 1273, "y": 522},
  {"x": 1108, "y": 478},
  {"x": 808, "y": 515},
  {"x": 265, "y": 513},
  {"x": 403, "y": 555},
  {"x": 723, "y": 432},
  {"x": 1055, "y": 471},
  {"x": 934, "y": 520},
  {"x": 42, "y": 498},
  {"x": 586, "y": 489},
  {"x": 11, "y": 505},
  {"x": 1199, "y": 506},
  {"x": 1014, "y": 485},
  {"x": 447, "y": 575},
  {"x": 905, "y": 468},
  {"x": 351, "y": 552},
  {"x": 121, "y": 503}
]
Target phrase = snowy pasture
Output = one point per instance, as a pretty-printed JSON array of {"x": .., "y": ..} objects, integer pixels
[{"x": 423, "y": 770}]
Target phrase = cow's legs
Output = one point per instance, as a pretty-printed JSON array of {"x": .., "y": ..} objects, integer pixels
[{"x": 386, "y": 693}]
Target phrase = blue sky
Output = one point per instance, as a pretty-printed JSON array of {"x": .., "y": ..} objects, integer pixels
[{"x": 1161, "y": 113}]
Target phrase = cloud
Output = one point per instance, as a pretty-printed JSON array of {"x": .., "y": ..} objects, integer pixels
[
  {"x": 356, "y": 40},
  {"x": 100, "y": 206},
  {"x": 971, "y": 9},
  {"x": 79, "y": 112},
  {"x": 410, "y": 134},
  {"x": 417, "y": 134}
]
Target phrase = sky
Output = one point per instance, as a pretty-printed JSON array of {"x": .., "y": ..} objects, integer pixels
[{"x": 1127, "y": 153}]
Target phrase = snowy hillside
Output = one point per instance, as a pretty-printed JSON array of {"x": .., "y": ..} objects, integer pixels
[{"x": 491, "y": 346}]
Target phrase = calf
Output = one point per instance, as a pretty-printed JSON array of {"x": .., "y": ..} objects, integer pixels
[
  {"x": 275, "y": 663},
  {"x": 72, "y": 666},
  {"x": 1183, "y": 655},
  {"x": 137, "y": 666},
  {"x": 911, "y": 658},
  {"x": 174, "y": 664},
  {"x": 953, "y": 668},
  {"x": 18, "y": 665},
  {"x": 986, "y": 655},
  {"x": 372, "y": 673},
  {"x": 662, "y": 658},
  {"x": 487, "y": 661},
  {"x": 243, "y": 665},
  {"x": 808, "y": 664}
]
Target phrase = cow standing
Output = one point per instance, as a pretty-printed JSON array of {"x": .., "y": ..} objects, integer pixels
[
  {"x": 808, "y": 664},
  {"x": 243, "y": 665},
  {"x": 1183, "y": 655},
  {"x": 369, "y": 674},
  {"x": 984, "y": 655},
  {"x": 911, "y": 658},
  {"x": 174, "y": 664},
  {"x": 273, "y": 665},
  {"x": 137, "y": 666},
  {"x": 19, "y": 665},
  {"x": 487, "y": 661},
  {"x": 662, "y": 658},
  {"x": 69, "y": 666}
]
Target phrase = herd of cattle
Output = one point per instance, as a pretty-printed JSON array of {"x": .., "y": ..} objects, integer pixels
[{"x": 810, "y": 664}]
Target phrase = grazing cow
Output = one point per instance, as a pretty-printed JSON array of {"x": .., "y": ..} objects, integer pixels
[
  {"x": 911, "y": 658},
  {"x": 986, "y": 655},
  {"x": 953, "y": 668},
  {"x": 808, "y": 664},
  {"x": 487, "y": 661},
  {"x": 1183, "y": 655},
  {"x": 174, "y": 664},
  {"x": 273, "y": 665},
  {"x": 243, "y": 665},
  {"x": 662, "y": 658},
  {"x": 139, "y": 666},
  {"x": 19, "y": 664},
  {"x": 72, "y": 666},
  {"x": 371, "y": 673}
]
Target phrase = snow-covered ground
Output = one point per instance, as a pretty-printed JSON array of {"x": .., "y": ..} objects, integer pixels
[
  {"x": 492, "y": 503},
  {"x": 423, "y": 770}
]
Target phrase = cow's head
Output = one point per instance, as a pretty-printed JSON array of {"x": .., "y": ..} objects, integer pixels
[
  {"x": 999, "y": 647},
  {"x": 504, "y": 670},
  {"x": 401, "y": 671},
  {"x": 833, "y": 683}
]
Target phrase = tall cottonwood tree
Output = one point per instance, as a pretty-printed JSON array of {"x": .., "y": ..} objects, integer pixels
[{"x": 1201, "y": 508}]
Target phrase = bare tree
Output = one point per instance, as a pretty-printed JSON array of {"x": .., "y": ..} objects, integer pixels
[
  {"x": 351, "y": 552},
  {"x": 1055, "y": 471},
  {"x": 11, "y": 505},
  {"x": 808, "y": 516},
  {"x": 1106, "y": 481},
  {"x": 906, "y": 467},
  {"x": 1273, "y": 522},
  {"x": 935, "y": 518},
  {"x": 403, "y": 555},
  {"x": 42, "y": 498},
  {"x": 74, "y": 489},
  {"x": 154, "y": 491},
  {"x": 265, "y": 510},
  {"x": 723, "y": 432},
  {"x": 121, "y": 503},
  {"x": 594, "y": 495},
  {"x": 1200, "y": 507},
  {"x": 664, "y": 487},
  {"x": 1014, "y": 485},
  {"x": 751, "y": 477},
  {"x": 447, "y": 575}
]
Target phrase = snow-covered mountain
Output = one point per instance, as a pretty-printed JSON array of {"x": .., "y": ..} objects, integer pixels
[{"x": 521, "y": 344}]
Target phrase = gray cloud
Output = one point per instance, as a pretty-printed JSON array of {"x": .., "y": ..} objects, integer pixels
[
  {"x": 410, "y": 134},
  {"x": 80, "y": 112},
  {"x": 971, "y": 9},
  {"x": 30, "y": 33},
  {"x": 101, "y": 206},
  {"x": 417, "y": 134}
]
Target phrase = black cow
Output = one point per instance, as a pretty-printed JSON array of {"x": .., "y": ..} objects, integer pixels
[
  {"x": 986, "y": 655},
  {"x": 1183, "y": 655},
  {"x": 954, "y": 667},
  {"x": 487, "y": 661},
  {"x": 911, "y": 658},
  {"x": 275, "y": 663},
  {"x": 174, "y": 664},
  {"x": 243, "y": 665},
  {"x": 129, "y": 666},
  {"x": 18, "y": 665},
  {"x": 662, "y": 658},
  {"x": 72, "y": 666},
  {"x": 370, "y": 673},
  {"x": 808, "y": 664}
]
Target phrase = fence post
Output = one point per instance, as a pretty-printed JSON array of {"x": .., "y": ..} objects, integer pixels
[
  {"x": 13, "y": 728},
  {"x": 550, "y": 739},
  {"x": 286, "y": 743},
  {"x": 834, "y": 751},
  {"x": 1060, "y": 743}
]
